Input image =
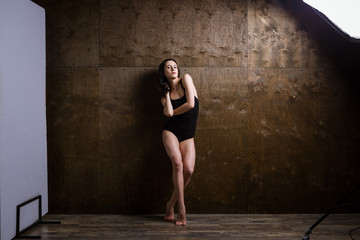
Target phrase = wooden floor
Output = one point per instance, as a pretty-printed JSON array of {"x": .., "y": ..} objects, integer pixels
[{"x": 200, "y": 226}]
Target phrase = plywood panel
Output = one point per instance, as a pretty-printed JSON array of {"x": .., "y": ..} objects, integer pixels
[
  {"x": 297, "y": 96},
  {"x": 222, "y": 93},
  {"x": 197, "y": 33},
  {"x": 114, "y": 186},
  {"x": 291, "y": 127},
  {"x": 72, "y": 101},
  {"x": 78, "y": 186},
  {"x": 73, "y": 138},
  {"x": 276, "y": 39},
  {"x": 130, "y": 103},
  {"x": 72, "y": 34}
]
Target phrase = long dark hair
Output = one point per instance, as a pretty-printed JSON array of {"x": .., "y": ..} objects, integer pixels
[{"x": 164, "y": 82}]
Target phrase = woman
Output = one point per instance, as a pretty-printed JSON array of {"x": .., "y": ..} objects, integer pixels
[{"x": 181, "y": 104}]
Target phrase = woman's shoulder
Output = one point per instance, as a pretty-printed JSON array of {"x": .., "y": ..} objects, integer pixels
[
  {"x": 186, "y": 75},
  {"x": 187, "y": 78}
]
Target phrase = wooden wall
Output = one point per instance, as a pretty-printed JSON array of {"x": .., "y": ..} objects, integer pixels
[{"x": 278, "y": 125}]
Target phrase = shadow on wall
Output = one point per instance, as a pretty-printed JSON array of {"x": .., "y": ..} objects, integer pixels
[{"x": 151, "y": 170}]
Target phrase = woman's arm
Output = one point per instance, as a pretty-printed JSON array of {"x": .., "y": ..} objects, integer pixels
[
  {"x": 190, "y": 94},
  {"x": 166, "y": 102}
]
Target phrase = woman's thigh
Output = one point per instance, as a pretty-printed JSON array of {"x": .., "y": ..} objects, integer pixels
[
  {"x": 188, "y": 153},
  {"x": 171, "y": 145}
]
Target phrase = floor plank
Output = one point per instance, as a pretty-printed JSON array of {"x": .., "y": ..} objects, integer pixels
[{"x": 199, "y": 226}]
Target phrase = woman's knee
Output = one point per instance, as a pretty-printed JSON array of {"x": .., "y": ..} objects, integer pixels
[
  {"x": 188, "y": 171},
  {"x": 177, "y": 162}
]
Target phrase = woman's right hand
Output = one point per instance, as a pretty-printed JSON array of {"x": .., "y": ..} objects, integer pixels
[{"x": 164, "y": 88}]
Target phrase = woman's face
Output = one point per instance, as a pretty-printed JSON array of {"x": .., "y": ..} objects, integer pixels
[{"x": 171, "y": 70}]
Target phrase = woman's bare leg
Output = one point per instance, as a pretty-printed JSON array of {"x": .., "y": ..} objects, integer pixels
[
  {"x": 187, "y": 149},
  {"x": 172, "y": 148}
]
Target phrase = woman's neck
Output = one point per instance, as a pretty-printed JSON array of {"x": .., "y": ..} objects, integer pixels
[{"x": 174, "y": 83}]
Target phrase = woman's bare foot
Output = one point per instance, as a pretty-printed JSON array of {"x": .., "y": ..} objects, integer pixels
[
  {"x": 181, "y": 218},
  {"x": 169, "y": 215}
]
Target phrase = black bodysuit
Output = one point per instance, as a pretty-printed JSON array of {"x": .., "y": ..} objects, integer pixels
[{"x": 183, "y": 126}]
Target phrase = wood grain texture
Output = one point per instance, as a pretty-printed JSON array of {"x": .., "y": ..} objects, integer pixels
[
  {"x": 200, "y": 226},
  {"x": 75, "y": 102},
  {"x": 197, "y": 33},
  {"x": 73, "y": 137},
  {"x": 276, "y": 38},
  {"x": 72, "y": 36}
]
